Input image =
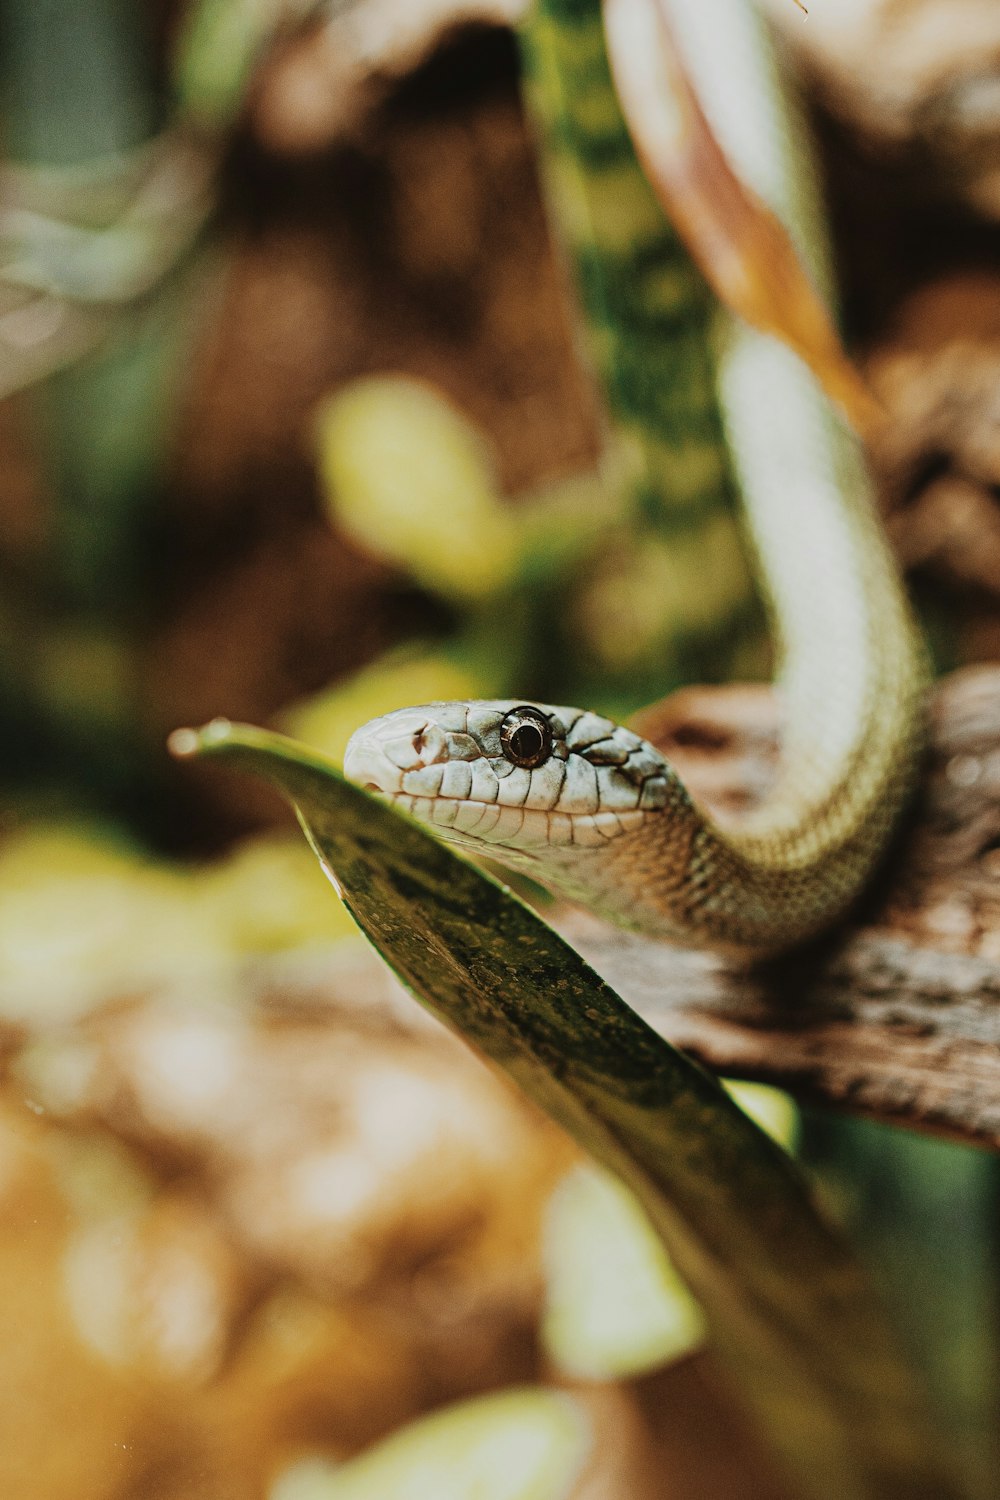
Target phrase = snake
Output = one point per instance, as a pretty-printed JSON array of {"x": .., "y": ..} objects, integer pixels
[{"x": 583, "y": 805}]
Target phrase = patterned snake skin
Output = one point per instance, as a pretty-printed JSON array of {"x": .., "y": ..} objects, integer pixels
[{"x": 583, "y": 805}]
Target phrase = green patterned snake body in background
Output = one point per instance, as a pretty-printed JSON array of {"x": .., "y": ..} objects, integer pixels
[
  {"x": 645, "y": 323},
  {"x": 695, "y": 401}
]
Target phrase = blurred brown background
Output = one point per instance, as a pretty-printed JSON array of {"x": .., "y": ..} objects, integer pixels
[{"x": 257, "y": 1212}]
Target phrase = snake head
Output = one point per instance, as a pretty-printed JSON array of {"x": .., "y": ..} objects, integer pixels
[{"x": 518, "y": 781}]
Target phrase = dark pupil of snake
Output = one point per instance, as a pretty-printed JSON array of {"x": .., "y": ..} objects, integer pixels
[{"x": 526, "y": 741}]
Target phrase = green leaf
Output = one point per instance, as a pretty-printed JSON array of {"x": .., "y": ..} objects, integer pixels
[{"x": 788, "y": 1310}]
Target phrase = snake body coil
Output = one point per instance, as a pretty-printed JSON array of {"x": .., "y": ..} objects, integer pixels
[{"x": 594, "y": 812}]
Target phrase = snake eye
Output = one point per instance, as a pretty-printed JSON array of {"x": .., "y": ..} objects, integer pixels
[{"x": 526, "y": 737}]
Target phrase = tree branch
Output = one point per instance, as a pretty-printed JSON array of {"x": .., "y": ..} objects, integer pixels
[{"x": 897, "y": 1015}]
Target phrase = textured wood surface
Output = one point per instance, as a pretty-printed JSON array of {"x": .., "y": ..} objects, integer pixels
[{"x": 897, "y": 1015}]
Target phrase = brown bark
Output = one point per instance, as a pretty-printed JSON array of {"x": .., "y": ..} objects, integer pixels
[{"x": 897, "y": 1015}]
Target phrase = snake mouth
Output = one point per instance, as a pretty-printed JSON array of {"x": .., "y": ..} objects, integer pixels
[{"x": 530, "y": 832}]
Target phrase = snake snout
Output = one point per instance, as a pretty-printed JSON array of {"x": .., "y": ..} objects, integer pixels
[
  {"x": 367, "y": 767},
  {"x": 382, "y": 754}
]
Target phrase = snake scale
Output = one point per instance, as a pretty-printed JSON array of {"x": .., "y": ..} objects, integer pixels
[{"x": 584, "y": 805}]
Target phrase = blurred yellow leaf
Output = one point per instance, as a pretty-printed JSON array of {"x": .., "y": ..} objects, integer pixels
[
  {"x": 614, "y": 1304},
  {"x": 526, "y": 1444},
  {"x": 267, "y": 896},
  {"x": 327, "y": 720},
  {"x": 410, "y": 480}
]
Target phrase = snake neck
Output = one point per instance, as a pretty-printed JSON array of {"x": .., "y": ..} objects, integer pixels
[
  {"x": 851, "y": 681},
  {"x": 851, "y": 671}
]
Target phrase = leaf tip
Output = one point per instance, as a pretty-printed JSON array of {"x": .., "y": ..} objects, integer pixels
[{"x": 183, "y": 743}]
